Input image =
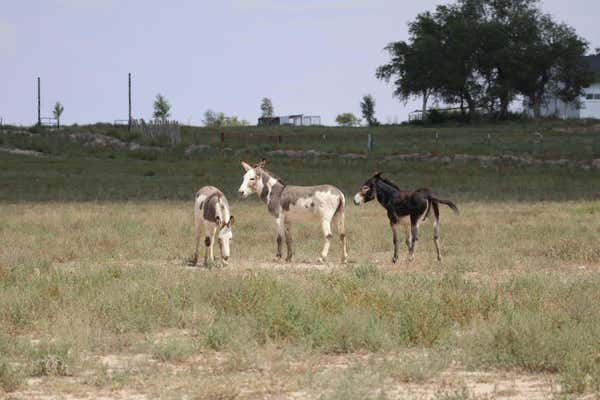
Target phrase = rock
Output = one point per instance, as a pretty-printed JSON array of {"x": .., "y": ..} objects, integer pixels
[{"x": 21, "y": 152}]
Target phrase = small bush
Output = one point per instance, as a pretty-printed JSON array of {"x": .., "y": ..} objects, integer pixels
[
  {"x": 173, "y": 350},
  {"x": 50, "y": 359},
  {"x": 10, "y": 380}
]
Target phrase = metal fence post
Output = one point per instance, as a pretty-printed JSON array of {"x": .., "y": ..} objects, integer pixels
[{"x": 370, "y": 143}]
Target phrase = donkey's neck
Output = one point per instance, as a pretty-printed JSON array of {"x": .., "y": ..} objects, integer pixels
[
  {"x": 224, "y": 210},
  {"x": 221, "y": 208},
  {"x": 385, "y": 193},
  {"x": 272, "y": 188}
]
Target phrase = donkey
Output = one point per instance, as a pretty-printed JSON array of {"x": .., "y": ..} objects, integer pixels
[
  {"x": 409, "y": 207},
  {"x": 211, "y": 210},
  {"x": 296, "y": 203}
]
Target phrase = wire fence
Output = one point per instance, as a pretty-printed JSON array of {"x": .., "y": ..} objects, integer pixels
[{"x": 549, "y": 145}]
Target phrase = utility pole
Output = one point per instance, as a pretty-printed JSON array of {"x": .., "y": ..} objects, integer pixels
[
  {"x": 129, "y": 119},
  {"x": 39, "y": 103}
]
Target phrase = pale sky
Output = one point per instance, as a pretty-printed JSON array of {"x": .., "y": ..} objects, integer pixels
[{"x": 311, "y": 57}]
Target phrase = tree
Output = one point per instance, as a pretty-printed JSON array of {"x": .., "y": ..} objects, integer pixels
[
  {"x": 235, "y": 121},
  {"x": 213, "y": 119},
  {"x": 557, "y": 67},
  {"x": 415, "y": 67},
  {"x": 218, "y": 119},
  {"x": 367, "y": 106},
  {"x": 483, "y": 53},
  {"x": 162, "y": 108},
  {"x": 266, "y": 106},
  {"x": 347, "y": 119},
  {"x": 57, "y": 111}
]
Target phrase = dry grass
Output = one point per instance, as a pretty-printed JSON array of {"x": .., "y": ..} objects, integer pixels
[
  {"x": 95, "y": 298},
  {"x": 485, "y": 238}
]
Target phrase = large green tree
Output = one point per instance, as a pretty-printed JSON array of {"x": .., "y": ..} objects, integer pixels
[
  {"x": 415, "y": 66},
  {"x": 482, "y": 53},
  {"x": 556, "y": 66}
]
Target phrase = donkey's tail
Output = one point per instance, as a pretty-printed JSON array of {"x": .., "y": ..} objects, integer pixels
[
  {"x": 338, "y": 215},
  {"x": 446, "y": 202}
]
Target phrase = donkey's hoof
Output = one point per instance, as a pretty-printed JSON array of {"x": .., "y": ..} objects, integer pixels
[
  {"x": 344, "y": 260},
  {"x": 394, "y": 259},
  {"x": 288, "y": 259},
  {"x": 191, "y": 262},
  {"x": 320, "y": 260}
]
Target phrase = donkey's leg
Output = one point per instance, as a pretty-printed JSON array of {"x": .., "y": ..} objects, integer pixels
[
  {"x": 436, "y": 230},
  {"x": 407, "y": 235},
  {"x": 212, "y": 243},
  {"x": 288, "y": 241},
  {"x": 326, "y": 226},
  {"x": 394, "y": 227},
  {"x": 342, "y": 232},
  {"x": 414, "y": 235},
  {"x": 194, "y": 259},
  {"x": 280, "y": 234},
  {"x": 207, "y": 243}
]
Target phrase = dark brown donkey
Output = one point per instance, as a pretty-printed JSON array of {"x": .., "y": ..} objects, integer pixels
[{"x": 409, "y": 207}]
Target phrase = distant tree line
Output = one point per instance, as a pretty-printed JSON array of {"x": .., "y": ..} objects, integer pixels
[{"x": 481, "y": 54}]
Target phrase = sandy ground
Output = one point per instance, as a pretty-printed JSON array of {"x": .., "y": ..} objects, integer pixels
[{"x": 210, "y": 376}]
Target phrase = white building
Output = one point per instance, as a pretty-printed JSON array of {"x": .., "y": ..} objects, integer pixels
[{"x": 589, "y": 102}]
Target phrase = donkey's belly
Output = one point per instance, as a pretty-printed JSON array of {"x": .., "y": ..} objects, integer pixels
[{"x": 299, "y": 214}]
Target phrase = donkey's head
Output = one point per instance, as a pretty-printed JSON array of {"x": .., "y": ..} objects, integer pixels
[
  {"x": 367, "y": 190},
  {"x": 224, "y": 236},
  {"x": 252, "y": 180}
]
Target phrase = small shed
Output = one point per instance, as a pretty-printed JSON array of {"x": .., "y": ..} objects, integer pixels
[{"x": 291, "y": 120}]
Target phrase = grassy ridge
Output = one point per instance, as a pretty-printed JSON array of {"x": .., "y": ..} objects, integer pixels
[
  {"x": 578, "y": 140},
  {"x": 75, "y": 179}
]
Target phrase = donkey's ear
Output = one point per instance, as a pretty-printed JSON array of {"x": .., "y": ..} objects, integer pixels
[
  {"x": 246, "y": 166},
  {"x": 262, "y": 163},
  {"x": 377, "y": 174},
  {"x": 231, "y": 221}
]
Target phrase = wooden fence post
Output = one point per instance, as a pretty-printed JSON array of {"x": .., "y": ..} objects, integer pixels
[{"x": 370, "y": 143}]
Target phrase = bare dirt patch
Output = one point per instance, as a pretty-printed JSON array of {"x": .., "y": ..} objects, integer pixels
[{"x": 275, "y": 374}]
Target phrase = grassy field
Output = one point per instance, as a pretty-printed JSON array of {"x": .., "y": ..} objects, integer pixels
[
  {"x": 575, "y": 140},
  {"x": 96, "y": 300}
]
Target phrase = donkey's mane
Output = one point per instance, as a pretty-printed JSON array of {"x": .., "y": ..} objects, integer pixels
[
  {"x": 272, "y": 175},
  {"x": 388, "y": 182}
]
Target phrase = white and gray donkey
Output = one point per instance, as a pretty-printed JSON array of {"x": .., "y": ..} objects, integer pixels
[
  {"x": 296, "y": 203},
  {"x": 211, "y": 211}
]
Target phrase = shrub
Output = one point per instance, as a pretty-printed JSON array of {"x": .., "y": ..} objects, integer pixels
[{"x": 10, "y": 380}]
